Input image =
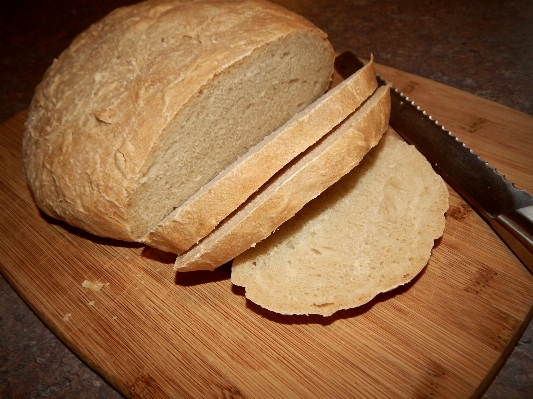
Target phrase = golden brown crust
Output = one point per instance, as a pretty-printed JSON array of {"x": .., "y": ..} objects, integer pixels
[
  {"x": 192, "y": 221},
  {"x": 302, "y": 181},
  {"x": 103, "y": 105}
]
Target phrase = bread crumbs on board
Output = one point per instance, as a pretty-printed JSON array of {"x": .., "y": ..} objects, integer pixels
[{"x": 93, "y": 285}]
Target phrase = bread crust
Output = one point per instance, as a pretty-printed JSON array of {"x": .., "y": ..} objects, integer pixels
[
  {"x": 299, "y": 183},
  {"x": 104, "y": 104},
  {"x": 196, "y": 218}
]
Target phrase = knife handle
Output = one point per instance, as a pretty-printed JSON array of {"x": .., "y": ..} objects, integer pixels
[{"x": 516, "y": 229}]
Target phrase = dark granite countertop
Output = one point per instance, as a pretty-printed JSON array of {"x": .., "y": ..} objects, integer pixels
[{"x": 484, "y": 47}]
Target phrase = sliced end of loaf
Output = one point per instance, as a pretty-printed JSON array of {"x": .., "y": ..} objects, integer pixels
[
  {"x": 199, "y": 215},
  {"x": 231, "y": 114}
]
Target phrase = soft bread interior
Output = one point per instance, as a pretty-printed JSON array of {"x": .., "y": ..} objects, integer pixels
[
  {"x": 203, "y": 211},
  {"x": 369, "y": 233},
  {"x": 302, "y": 180},
  {"x": 241, "y": 106}
]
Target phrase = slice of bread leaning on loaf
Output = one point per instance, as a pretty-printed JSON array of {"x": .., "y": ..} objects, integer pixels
[
  {"x": 300, "y": 181},
  {"x": 200, "y": 127},
  {"x": 199, "y": 215}
]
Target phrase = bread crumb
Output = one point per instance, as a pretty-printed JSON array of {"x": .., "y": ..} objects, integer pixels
[
  {"x": 105, "y": 115},
  {"x": 93, "y": 285},
  {"x": 67, "y": 316},
  {"x": 90, "y": 303}
]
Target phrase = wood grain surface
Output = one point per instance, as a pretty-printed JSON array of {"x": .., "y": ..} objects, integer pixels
[{"x": 154, "y": 333}]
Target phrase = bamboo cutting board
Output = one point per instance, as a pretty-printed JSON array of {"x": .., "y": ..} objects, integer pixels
[{"x": 152, "y": 333}]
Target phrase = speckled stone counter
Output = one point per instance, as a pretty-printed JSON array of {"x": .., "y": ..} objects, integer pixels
[{"x": 484, "y": 47}]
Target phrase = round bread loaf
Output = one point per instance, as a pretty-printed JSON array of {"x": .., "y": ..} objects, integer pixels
[
  {"x": 151, "y": 103},
  {"x": 368, "y": 233}
]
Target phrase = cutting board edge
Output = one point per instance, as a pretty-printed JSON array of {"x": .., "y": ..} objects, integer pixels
[
  {"x": 497, "y": 366},
  {"x": 78, "y": 352},
  {"x": 380, "y": 68}
]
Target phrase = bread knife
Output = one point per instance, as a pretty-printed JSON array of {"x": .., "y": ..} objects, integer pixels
[{"x": 507, "y": 209}]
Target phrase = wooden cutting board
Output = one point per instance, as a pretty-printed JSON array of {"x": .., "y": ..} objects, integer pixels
[{"x": 152, "y": 333}]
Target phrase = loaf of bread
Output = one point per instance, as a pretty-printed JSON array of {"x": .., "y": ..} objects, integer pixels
[
  {"x": 369, "y": 233},
  {"x": 199, "y": 215},
  {"x": 151, "y": 103},
  {"x": 302, "y": 180}
]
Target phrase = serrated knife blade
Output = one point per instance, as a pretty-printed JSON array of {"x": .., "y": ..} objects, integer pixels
[{"x": 507, "y": 209}]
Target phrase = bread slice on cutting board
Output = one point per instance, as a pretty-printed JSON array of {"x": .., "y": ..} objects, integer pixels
[
  {"x": 369, "y": 233},
  {"x": 200, "y": 214},
  {"x": 302, "y": 180},
  {"x": 151, "y": 103}
]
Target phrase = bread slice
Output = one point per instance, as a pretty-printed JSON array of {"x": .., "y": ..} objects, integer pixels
[
  {"x": 298, "y": 183},
  {"x": 199, "y": 215},
  {"x": 369, "y": 233},
  {"x": 151, "y": 103}
]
